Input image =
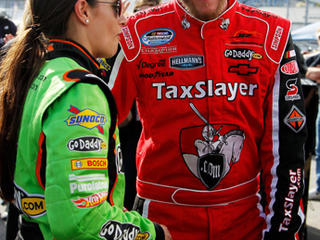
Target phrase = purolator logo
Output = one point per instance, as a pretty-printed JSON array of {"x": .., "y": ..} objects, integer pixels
[{"x": 86, "y": 118}]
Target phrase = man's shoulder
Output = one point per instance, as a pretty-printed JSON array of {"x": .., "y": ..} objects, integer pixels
[
  {"x": 141, "y": 23},
  {"x": 151, "y": 13},
  {"x": 262, "y": 15},
  {"x": 276, "y": 29}
]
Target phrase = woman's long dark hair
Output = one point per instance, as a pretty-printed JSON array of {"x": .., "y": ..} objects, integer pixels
[{"x": 20, "y": 65}]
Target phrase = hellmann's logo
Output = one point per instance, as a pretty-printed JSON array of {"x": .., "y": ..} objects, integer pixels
[
  {"x": 86, "y": 118},
  {"x": 187, "y": 62}
]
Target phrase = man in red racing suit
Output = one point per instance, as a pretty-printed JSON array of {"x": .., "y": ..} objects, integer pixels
[{"x": 222, "y": 110}]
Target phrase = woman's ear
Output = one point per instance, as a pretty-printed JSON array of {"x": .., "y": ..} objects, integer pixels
[{"x": 81, "y": 9}]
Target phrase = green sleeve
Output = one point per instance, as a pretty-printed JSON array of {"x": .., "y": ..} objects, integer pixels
[{"x": 76, "y": 130}]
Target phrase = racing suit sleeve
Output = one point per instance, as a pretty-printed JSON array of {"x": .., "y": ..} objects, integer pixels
[
  {"x": 76, "y": 132},
  {"x": 123, "y": 85},
  {"x": 282, "y": 150}
]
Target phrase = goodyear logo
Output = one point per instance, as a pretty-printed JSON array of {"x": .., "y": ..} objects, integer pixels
[
  {"x": 32, "y": 205},
  {"x": 89, "y": 163},
  {"x": 86, "y": 118}
]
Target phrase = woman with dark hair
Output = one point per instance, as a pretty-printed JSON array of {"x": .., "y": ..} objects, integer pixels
[{"x": 59, "y": 146}]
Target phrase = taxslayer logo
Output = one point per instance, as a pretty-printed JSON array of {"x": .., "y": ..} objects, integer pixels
[
  {"x": 91, "y": 201},
  {"x": 187, "y": 62},
  {"x": 127, "y": 37},
  {"x": 292, "y": 93},
  {"x": 294, "y": 187},
  {"x": 86, "y": 118},
  {"x": 276, "y": 38},
  {"x": 157, "y": 37},
  {"x": 242, "y": 53},
  {"x": 202, "y": 89},
  {"x": 295, "y": 119},
  {"x": 122, "y": 231},
  {"x": 86, "y": 144},
  {"x": 89, "y": 163},
  {"x": 210, "y": 150},
  {"x": 290, "y": 68},
  {"x": 32, "y": 205}
]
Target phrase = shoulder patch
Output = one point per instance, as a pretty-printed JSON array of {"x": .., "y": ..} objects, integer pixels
[
  {"x": 74, "y": 75},
  {"x": 277, "y": 33}
]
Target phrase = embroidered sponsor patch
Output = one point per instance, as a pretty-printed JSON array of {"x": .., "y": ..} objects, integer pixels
[
  {"x": 89, "y": 163},
  {"x": 187, "y": 62},
  {"x": 104, "y": 64},
  {"x": 292, "y": 93},
  {"x": 151, "y": 65},
  {"x": 86, "y": 144},
  {"x": 91, "y": 200},
  {"x": 243, "y": 69},
  {"x": 157, "y": 37},
  {"x": 211, "y": 150},
  {"x": 242, "y": 53},
  {"x": 290, "y": 54},
  {"x": 127, "y": 37},
  {"x": 122, "y": 231},
  {"x": 290, "y": 68},
  {"x": 86, "y": 118},
  {"x": 276, "y": 38},
  {"x": 159, "y": 50},
  {"x": 295, "y": 119},
  {"x": 32, "y": 205},
  {"x": 87, "y": 183}
]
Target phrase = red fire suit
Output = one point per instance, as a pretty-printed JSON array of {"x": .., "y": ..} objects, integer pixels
[{"x": 222, "y": 112}]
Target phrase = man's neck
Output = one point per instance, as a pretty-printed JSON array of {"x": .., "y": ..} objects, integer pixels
[{"x": 220, "y": 9}]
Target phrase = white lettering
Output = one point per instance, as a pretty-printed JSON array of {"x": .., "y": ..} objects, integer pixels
[{"x": 202, "y": 89}]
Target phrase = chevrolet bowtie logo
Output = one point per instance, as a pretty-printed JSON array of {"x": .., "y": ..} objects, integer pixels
[{"x": 243, "y": 69}]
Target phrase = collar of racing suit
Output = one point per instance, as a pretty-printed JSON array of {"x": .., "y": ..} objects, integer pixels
[
  {"x": 227, "y": 15},
  {"x": 68, "y": 48}
]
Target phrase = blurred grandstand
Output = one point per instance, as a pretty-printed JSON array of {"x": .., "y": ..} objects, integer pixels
[{"x": 13, "y": 9}]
